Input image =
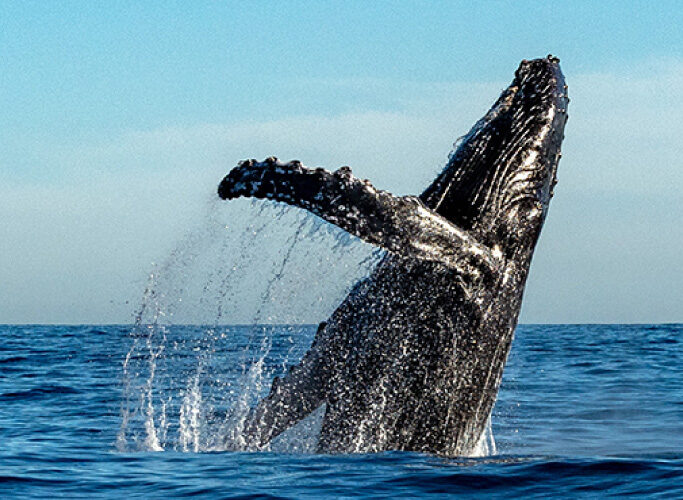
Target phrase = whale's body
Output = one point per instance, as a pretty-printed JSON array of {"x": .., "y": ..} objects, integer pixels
[{"x": 413, "y": 357}]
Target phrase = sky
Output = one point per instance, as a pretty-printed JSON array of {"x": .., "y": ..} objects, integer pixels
[{"x": 118, "y": 119}]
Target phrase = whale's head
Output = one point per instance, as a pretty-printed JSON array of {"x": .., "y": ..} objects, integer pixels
[{"x": 500, "y": 178}]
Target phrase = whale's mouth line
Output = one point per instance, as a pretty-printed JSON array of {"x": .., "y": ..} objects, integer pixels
[
  {"x": 502, "y": 106},
  {"x": 510, "y": 154}
]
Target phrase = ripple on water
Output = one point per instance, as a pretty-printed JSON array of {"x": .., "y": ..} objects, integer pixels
[{"x": 576, "y": 417}]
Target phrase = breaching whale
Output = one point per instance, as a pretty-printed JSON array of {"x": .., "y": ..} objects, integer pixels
[{"x": 413, "y": 357}]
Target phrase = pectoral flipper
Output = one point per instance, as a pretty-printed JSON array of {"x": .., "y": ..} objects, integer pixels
[{"x": 402, "y": 225}]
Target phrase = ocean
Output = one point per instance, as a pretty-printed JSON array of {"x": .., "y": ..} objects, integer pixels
[{"x": 584, "y": 411}]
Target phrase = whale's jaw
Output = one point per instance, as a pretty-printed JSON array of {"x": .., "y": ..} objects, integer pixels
[{"x": 502, "y": 173}]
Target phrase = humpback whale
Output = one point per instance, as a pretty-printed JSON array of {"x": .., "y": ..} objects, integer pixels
[{"x": 413, "y": 357}]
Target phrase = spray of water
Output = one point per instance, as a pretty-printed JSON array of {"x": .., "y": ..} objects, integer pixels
[
  {"x": 224, "y": 314},
  {"x": 201, "y": 351}
]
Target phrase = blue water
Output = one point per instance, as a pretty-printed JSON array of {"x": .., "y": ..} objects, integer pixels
[{"x": 583, "y": 411}]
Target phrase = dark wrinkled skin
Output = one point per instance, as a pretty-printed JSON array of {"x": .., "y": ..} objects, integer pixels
[{"x": 413, "y": 357}]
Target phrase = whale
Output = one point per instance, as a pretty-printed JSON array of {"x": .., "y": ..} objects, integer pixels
[{"x": 413, "y": 357}]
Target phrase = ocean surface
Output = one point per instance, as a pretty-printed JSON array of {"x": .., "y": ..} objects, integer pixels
[{"x": 107, "y": 411}]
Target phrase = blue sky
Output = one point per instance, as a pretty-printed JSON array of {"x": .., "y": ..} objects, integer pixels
[{"x": 118, "y": 119}]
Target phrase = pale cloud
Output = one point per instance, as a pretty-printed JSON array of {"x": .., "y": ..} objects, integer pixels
[{"x": 624, "y": 132}]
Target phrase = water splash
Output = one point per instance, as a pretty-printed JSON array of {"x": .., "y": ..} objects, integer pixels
[
  {"x": 177, "y": 393},
  {"x": 191, "y": 418},
  {"x": 487, "y": 444}
]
